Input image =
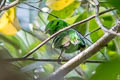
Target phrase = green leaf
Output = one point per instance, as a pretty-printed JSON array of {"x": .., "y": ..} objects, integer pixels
[
  {"x": 117, "y": 44},
  {"x": 41, "y": 51},
  {"x": 114, "y": 3},
  {"x": 89, "y": 69},
  {"x": 96, "y": 35},
  {"x": 48, "y": 68},
  {"x": 111, "y": 46},
  {"x": 66, "y": 12},
  {"x": 22, "y": 45},
  {"x": 14, "y": 43},
  {"x": 82, "y": 27},
  {"x": 107, "y": 20},
  {"x": 71, "y": 20},
  {"x": 111, "y": 50},
  {"x": 108, "y": 71}
]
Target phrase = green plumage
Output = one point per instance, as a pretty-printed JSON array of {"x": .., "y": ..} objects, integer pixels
[
  {"x": 55, "y": 25},
  {"x": 69, "y": 40}
]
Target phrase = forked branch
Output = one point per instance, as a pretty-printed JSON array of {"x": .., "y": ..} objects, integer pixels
[{"x": 81, "y": 57}]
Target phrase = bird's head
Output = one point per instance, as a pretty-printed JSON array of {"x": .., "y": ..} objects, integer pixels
[{"x": 55, "y": 25}]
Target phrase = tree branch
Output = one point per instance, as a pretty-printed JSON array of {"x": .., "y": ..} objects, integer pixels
[
  {"x": 49, "y": 60},
  {"x": 10, "y": 5},
  {"x": 81, "y": 57},
  {"x": 62, "y": 30},
  {"x": 99, "y": 22},
  {"x": 3, "y": 3}
]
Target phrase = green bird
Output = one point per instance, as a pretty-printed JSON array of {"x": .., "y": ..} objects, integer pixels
[{"x": 68, "y": 41}]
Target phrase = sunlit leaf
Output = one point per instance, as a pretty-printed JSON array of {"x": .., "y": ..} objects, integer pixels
[
  {"x": 58, "y": 4},
  {"x": 107, "y": 20},
  {"x": 82, "y": 27},
  {"x": 9, "y": 24},
  {"x": 41, "y": 51},
  {"x": 92, "y": 26},
  {"x": 66, "y": 12},
  {"x": 15, "y": 45},
  {"x": 71, "y": 20}
]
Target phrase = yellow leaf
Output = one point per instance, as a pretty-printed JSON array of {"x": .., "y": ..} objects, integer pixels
[
  {"x": 9, "y": 24},
  {"x": 58, "y": 4}
]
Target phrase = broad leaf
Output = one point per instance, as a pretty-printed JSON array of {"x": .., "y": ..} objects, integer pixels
[
  {"x": 66, "y": 12},
  {"x": 108, "y": 71},
  {"x": 82, "y": 27},
  {"x": 58, "y": 4},
  {"x": 96, "y": 35}
]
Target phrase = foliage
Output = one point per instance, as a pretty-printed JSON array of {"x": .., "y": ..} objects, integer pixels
[
  {"x": 56, "y": 4},
  {"x": 9, "y": 22},
  {"x": 16, "y": 43}
]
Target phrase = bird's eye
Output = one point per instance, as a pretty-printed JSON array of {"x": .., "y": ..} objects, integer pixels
[{"x": 57, "y": 23}]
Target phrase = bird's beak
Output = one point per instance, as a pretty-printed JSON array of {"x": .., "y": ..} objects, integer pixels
[{"x": 47, "y": 31}]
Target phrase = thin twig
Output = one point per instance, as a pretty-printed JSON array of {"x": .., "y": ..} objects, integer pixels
[
  {"x": 26, "y": 8},
  {"x": 33, "y": 59},
  {"x": 99, "y": 22},
  {"x": 81, "y": 72},
  {"x": 92, "y": 32},
  {"x": 49, "y": 60},
  {"x": 42, "y": 19},
  {"x": 10, "y": 5},
  {"x": 3, "y": 3},
  {"x": 62, "y": 30},
  {"x": 99, "y": 51},
  {"x": 85, "y": 37},
  {"x": 39, "y": 9},
  {"x": 34, "y": 1}
]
